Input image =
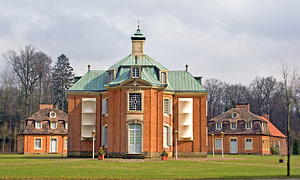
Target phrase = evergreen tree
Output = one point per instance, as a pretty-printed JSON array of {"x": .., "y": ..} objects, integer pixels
[
  {"x": 62, "y": 79},
  {"x": 295, "y": 147}
]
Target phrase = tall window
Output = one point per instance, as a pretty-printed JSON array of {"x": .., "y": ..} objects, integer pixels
[
  {"x": 167, "y": 106},
  {"x": 135, "y": 101},
  {"x": 218, "y": 144},
  {"x": 135, "y": 72},
  {"x": 249, "y": 144},
  {"x": 53, "y": 125},
  {"x": 37, "y": 143},
  {"x": 104, "y": 135},
  {"x": 233, "y": 125},
  {"x": 38, "y": 125},
  {"x": 104, "y": 106},
  {"x": 66, "y": 143},
  {"x": 218, "y": 125},
  {"x": 167, "y": 136},
  {"x": 163, "y": 77},
  {"x": 248, "y": 125},
  {"x": 110, "y": 76}
]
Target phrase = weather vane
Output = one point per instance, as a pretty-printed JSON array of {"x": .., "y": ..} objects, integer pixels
[{"x": 138, "y": 23}]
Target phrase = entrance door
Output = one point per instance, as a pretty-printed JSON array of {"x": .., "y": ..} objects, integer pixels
[
  {"x": 135, "y": 138},
  {"x": 53, "y": 145},
  {"x": 233, "y": 146}
]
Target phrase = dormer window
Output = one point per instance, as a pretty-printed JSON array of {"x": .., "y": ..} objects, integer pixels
[
  {"x": 248, "y": 125},
  {"x": 53, "y": 125},
  {"x": 110, "y": 76},
  {"x": 163, "y": 77},
  {"x": 135, "y": 72},
  {"x": 38, "y": 125},
  {"x": 218, "y": 126},
  {"x": 233, "y": 125}
]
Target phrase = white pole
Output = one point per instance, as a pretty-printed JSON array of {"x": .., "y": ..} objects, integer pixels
[
  {"x": 176, "y": 148},
  {"x": 93, "y": 147}
]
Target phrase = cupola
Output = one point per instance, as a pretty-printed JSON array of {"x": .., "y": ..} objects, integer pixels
[{"x": 138, "y": 42}]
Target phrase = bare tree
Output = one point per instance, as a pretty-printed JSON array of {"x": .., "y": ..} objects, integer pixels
[
  {"x": 289, "y": 81},
  {"x": 29, "y": 66},
  {"x": 14, "y": 135}
]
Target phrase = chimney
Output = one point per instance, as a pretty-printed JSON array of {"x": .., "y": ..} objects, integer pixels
[
  {"x": 89, "y": 67},
  {"x": 243, "y": 106},
  {"x": 45, "y": 106},
  {"x": 186, "y": 67},
  {"x": 267, "y": 116}
]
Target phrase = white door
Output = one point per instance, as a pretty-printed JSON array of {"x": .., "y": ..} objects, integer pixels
[
  {"x": 135, "y": 138},
  {"x": 233, "y": 146},
  {"x": 53, "y": 145}
]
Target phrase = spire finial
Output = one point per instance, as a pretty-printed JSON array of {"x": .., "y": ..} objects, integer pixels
[{"x": 138, "y": 24}]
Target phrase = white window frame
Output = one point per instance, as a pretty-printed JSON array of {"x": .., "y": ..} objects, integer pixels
[
  {"x": 104, "y": 135},
  {"x": 35, "y": 139},
  {"x": 163, "y": 77},
  {"x": 135, "y": 72},
  {"x": 66, "y": 125},
  {"x": 248, "y": 148},
  {"x": 248, "y": 123},
  {"x": 110, "y": 76},
  {"x": 130, "y": 100},
  {"x": 105, "y": 106},
  {"x": 216, "y": 144},
  {"x": 167, "y": 140},
  {"x": 66, "y": 143},
  {"x": 231, "y": 125},
  {"x": 40, "y": 123},
  {"x": 217, "y": 125},
  {"x": 53, "y": 123},
  {"x": 167, "y": 106}
]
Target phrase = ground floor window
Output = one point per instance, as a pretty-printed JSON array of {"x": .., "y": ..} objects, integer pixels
[
  {"x": 104, "y": 135},
  {"x": 248, "y": 144},
  {"x": 37, "y": 143},
  {"x": 218, "y": 144},
  {"x": 66, "y": 143}
]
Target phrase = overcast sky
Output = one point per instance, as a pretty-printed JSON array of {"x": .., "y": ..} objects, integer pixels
[{"x": 232, "y": 40}]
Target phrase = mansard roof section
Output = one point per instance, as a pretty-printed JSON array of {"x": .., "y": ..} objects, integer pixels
[
  {"x": 92, "y": 81},
  {"x": 183, "y": 81},
  {"x": 148, "y": 74},
  {"x": 243, "y": 114},
  {"x": 142, "y": 60}
]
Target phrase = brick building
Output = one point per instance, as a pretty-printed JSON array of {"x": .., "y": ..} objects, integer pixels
[
  {"x": 135, "y": 107},
  {"x": 46, "y": 131},
  {"x": 244, "y": 133}
]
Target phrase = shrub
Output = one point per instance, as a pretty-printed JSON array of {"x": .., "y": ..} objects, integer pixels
[
  {"x": 274, "y": 150},
  {"x": 164, "y": 153}
]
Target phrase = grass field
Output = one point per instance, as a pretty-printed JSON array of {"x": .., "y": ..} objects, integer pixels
[{"x": 233, "y": 166}]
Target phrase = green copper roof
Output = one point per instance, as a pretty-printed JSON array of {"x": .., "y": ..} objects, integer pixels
[
  {"x": 93, "y": 80},
  {"x": 142, "y": 60},
  {"x": 138, "y": 35},
  {"x": 183, "y": 81}
]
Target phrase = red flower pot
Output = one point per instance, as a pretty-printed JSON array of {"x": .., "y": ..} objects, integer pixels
[
  {"x": 164, "y": 158},
  {"x": 100, "y": 157}
]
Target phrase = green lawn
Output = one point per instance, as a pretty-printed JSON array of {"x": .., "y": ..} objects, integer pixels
[{"x": 237, "y": 166}]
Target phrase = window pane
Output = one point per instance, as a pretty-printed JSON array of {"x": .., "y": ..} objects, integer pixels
[
  {"x": 166, "y": 106},
  {"x": 110, "y": 76},
  {"x": 66, "y": 143},
  {"x": 248, "y": 144},
  {"x": 218, "y": 143},
  {"x": 38, "y": 144},
  {"x": 218, "y": 126},
  {"x": 135, "y": 102},
  {"x": 135, "y": 72},
  {"x": 165, "y": 136},
  {"x": 163, "y": 77}
]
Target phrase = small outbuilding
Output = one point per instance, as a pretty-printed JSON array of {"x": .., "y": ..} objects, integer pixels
[
  {"x": 44, "y": 132},
  {"x": 238, "y": 131}
]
